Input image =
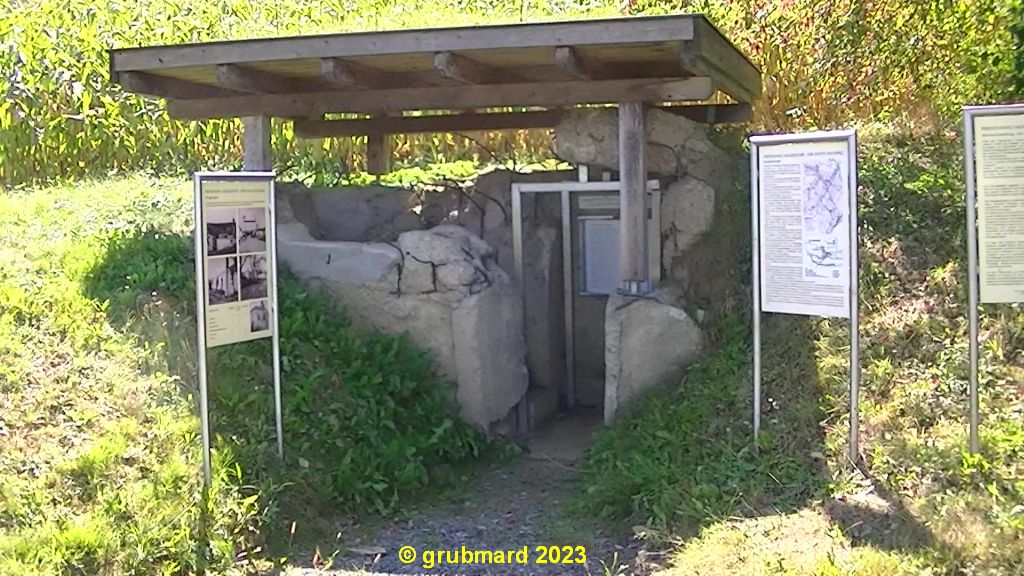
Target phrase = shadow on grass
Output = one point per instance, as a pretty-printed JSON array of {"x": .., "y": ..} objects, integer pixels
[{"x": 367, "y": 420}]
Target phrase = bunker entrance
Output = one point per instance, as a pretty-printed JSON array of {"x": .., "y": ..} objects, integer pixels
[{"x": 565, "y": 295}]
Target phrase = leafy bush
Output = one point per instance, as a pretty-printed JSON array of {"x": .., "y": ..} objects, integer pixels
[
  {"x": 1017, "y": 30},
  {"x": 828, "y": 63}
]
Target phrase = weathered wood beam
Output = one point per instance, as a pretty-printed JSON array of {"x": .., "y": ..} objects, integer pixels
[
  {"x": 257, "y": 154},
  {"x": 568, "y": 60},
  {"x": 458, "y": 68},
  {"x": 167, "y": 87},
  {"x": 550, "y": 94},
  {"x": 516, "y": 36},
  {"x": 632, "y": 197},
  {"x": 710, "y": 54},
  {"x": 378, "y": 153},
  {"x": 341, "y": 73},
  {"x": 251, "y": 80},
  {"x": 470, "y": 122},
  {"x": 714, "y": 113},
  {"x": 428, "y": 124}
]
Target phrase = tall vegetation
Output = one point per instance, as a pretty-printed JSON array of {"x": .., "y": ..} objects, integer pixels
[{"x": 825, "y": 62}]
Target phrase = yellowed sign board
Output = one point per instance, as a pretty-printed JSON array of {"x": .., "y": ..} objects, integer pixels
[
  {"x": 237, "y": 272},
  {"x": 999, "y": 161}
]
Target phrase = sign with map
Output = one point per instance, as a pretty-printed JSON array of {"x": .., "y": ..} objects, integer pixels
[
  {"x": 236, "y": 277},
  {"x": 804, "y": 227}
]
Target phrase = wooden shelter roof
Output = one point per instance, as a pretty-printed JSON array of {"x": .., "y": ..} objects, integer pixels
[{"x": 553, "y": 65}]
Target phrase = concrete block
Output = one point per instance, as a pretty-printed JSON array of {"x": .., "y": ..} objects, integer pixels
[{"x": 647, "y": 343}]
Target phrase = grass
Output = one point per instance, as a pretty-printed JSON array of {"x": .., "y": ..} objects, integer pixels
[
  {"x": 99, "y": 451},
  {"x": 920, "y": 504}
]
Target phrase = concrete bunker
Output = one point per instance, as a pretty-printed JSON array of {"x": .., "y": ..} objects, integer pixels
[{"x": 535, "y": 292}]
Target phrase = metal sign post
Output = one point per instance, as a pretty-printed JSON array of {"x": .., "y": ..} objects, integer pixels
[
  {"x": 236, "y": 276},
  {"x": 994, "y": 168},
  {"x": 804, "y": 240}
]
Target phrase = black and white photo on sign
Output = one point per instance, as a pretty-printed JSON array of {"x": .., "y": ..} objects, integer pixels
[
  {"x": 259, "y": 317},
  {"x": 222, "y": 280},
  {"x": 221, "y": 233},
  {"x": 252, "y": 230},
  {"x": 254, "y": 276}
]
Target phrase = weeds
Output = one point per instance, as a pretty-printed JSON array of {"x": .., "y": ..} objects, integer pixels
[
  {"x": 686, "y": 456},
  {"x": 99, "y": 455}
]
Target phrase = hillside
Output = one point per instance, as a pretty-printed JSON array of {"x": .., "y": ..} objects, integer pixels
[
  {"x": 99, "y": 449},
  {"x": 922, "y": 503},
  {"x": 99, "y": 455}
]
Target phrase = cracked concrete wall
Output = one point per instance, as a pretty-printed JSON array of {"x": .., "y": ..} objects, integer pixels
[{"x": 442, "y": 286}]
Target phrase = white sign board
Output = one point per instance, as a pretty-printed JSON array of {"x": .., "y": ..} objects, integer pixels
[
  {"x": 804, "y": 219},
  {"x": 236, "y": 273},
  {"x": 999, "y": 172},
  {"x": 803, "y": 203},
  {"x": 994, "y": 168}
]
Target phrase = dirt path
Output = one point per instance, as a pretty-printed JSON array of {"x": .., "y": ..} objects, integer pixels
[{"x": 509, "y": 507}]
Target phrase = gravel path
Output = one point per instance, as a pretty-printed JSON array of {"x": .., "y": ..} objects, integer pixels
[{"x": 509, "y": 507}]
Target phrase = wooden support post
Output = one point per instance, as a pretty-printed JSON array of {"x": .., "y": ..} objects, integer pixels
[
  {"x": 256, "y": 151},
  {"x": 632, "y": 199},
  {"x": 378, "y": 153}
]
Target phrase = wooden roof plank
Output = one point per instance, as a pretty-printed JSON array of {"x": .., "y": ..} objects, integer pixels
[
  {"x": 458, "y": 68},
  {"x": 438, "y": 123},
  {"x": 569, "y": 61},
  {"x": 315, "y": 104},
  {"x": 711, "y": 54},
  {"x": 492, "y": 121},
  {"x": 513, "y": 36},
  {"x": 166, "y": 87},
  {"x": 347, "y": 74},
  {"x": 245, "y": 79}
]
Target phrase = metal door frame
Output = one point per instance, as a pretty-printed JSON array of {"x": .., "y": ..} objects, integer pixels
[{"x": 566, "y": 189}]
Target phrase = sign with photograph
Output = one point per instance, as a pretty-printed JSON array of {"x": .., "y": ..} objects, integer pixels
[
  {"x": 237, "y": 276},
  {"x": 236, "y": 265},
  {"x": 804, "y": 220}
]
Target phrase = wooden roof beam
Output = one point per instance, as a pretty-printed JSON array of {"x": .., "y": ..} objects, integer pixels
[
  {"x": 341, "y": 73},
  {"x": 549, "y": 94},
  {"x": 458, "y": 68},
  {"x": 439, "y": 123},
  {"x": 251, "y": 80},
  {"x": 568, "y": 60},
  {"x": 481, "y": 122},
  {"x": 710, "y": 54},
  {"x": 167, "y": 87}
]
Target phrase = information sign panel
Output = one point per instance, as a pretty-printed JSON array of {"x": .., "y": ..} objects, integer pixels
[
  {"x": 999, "y": 178},
  {"x": 994, "y": 168},
  {"x": 804, "y": 239},
  {"x": 236, "y": 273},
  {"x": 804, "y": 190},
  {"x": 237, "y": 276}
]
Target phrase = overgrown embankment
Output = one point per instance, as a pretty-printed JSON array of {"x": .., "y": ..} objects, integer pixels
[
  {"x": 686, "y": 460},
  {"x": 99, "y": 450}
]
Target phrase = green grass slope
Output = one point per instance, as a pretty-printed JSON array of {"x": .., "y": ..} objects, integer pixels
[
  {"x": 683, "y": 464},
  {"x": 99, "y": 449}
]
